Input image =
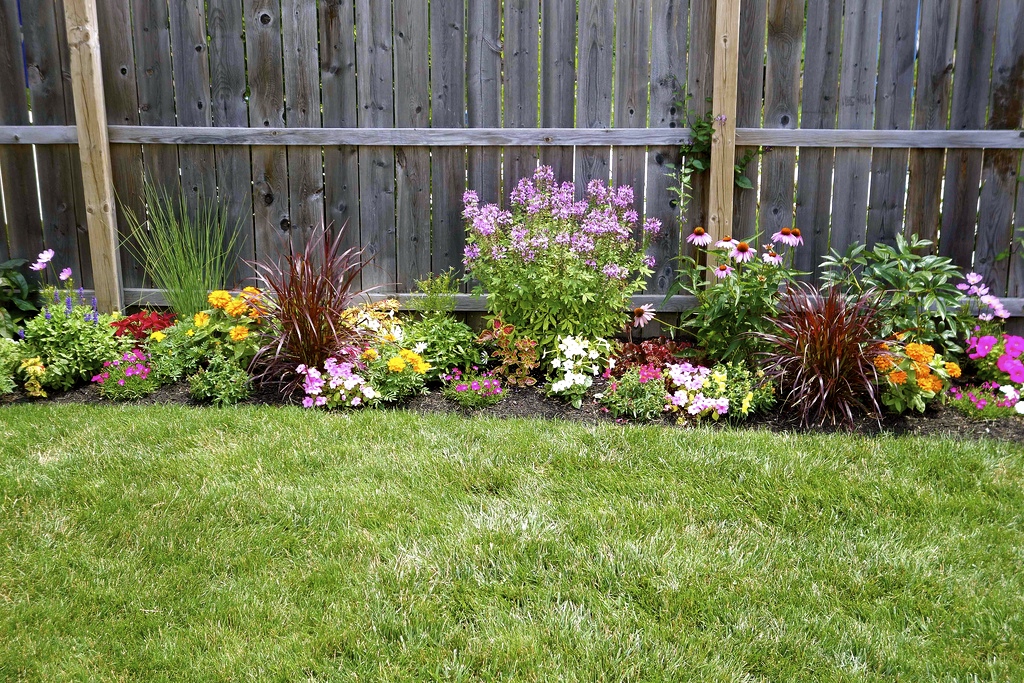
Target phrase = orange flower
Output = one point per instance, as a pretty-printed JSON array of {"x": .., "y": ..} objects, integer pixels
[
  {"x": 953, "y": 370},
  {"x": 930, "y": 383},
  {"x": 884, "y": 362},
  {"x": 898, "y": 377},
  {"x": 239, "y": 333},
  {"x": 236, "y": 308},
  {"x": 219, "y": 298},
  {"x": 921, "y": 369},
  {"x": 922, "y": 353}
]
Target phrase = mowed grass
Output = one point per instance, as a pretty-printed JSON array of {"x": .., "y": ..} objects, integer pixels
[{"x": 171, "y": 543}]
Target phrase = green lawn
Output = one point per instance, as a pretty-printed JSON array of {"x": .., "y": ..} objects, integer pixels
[{"x": 274, "y": 544}]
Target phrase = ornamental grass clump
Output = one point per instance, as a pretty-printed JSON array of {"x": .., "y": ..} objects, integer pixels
[
  {"x": 822, "y": 355},
  {"x": 554, "y": 266}
]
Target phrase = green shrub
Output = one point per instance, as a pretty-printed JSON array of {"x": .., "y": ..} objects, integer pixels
[
  {"x": 10, "y": 356},
  {"x": 222, "y": 382},
  {"x": 446, "y": 343},
  {"x": 638, "y": 394}
]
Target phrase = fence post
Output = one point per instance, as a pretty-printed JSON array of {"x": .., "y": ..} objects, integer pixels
[
  {"x": 723, "y": 104},
  {"x": 94, "y": 150}
]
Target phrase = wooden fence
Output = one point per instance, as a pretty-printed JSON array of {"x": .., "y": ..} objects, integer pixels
[{"x": 877, "y": 117}]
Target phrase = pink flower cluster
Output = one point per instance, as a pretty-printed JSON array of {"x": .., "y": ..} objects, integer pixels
[
  {"x": 649, "y": 373},
  {"x": 338, "y": 384},
  {"x": 1010, "y": 350},
  {"x": 689, "y": 382},
  {"x": 1011, "y": 396},
  {"x": 973, "y": 286},
  {"x": 485, "y": 385},
  {"x": 743, "y": 252},
  {"x": 134, "y": 365}
]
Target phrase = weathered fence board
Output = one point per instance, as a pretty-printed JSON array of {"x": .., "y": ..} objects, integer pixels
[
  {"x": 483, "y": 90},
  {"x": 522, "y": 20},
  {"x": 632, "y": 73},
  {"x": 700, "y": 63},
  {"x": 750, "y": 101},
  {"x": 558, "y": 79},
  {"x": 594, "y": 86}
]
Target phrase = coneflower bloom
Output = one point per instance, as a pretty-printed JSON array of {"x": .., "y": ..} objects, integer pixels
[
  {"x": 642, "y": 315},
  {"x": 723, "y": 271},
  {"x": 741, "y": 252},
  {"x": 771, "y": 257},
  {"x": 699, "y": 237},
  {"x": 725, "y": 243},
  {"x": 788, "y": 236}
]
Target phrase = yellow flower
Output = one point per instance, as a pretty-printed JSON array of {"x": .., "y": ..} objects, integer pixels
[
  {"x": 190, "y": 332},
  {"x": 745, "y": 406},
  {"x": 922, "y": 353},
  {"x": 370, "y": 354},
  {"x": 238, "y": 333},
  {"x": 420, "y": 367},
  {"x": 236, "y": 308},
  {"x": 251, "y": 290},
  {"x": 898, "y": 377},
  {"x": 953, "y": 370},
  {"x": 396, "y": 364},
  {"x": 219, "y": 298},
  {"x": 921, "y": 369},
  {"x": 410, "y": 356},
  {"x": 158, "y": 336},
  {"x": 201, "y": 319}
]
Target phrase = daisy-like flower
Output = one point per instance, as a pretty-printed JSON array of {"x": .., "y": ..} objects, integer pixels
[
  {"x": 771, "y": 256},
  {"x": 642, "y": 315},
  {"x": 788, "y": 236},
  {"x": 699, "y": 237},
  {"x": 723, "y": 271},
  {"x": 42, "y": 260},
  {"x": 726, "y": 243},
  {"x": 741, "y": 252},
  {"x": 64, "y": 274}
]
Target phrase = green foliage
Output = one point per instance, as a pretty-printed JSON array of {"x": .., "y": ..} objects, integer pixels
[
  {"x": 633, "y": 396},
  {"x": 72, "y": 342},
  {"x": 517, "y": 356},
  {"x": 222, "y": 382},
  {"x": 919, "y": 294},
  {"x": 731, "y": 311},
  {"x": 18, "y": 298},
  {"x": 450, "y": 343},
  {"x": 395, "y": 373},
  {"x": 186, "y": 346},
  {"x": 126, "y": 378},
  {"x": 187, "y": 251},
  {"x": 10, "y": 357},
  {"x": 436, "y": 294},
  {"x": 472, "y": 391}
]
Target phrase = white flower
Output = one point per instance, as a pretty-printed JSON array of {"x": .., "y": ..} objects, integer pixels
[
  {"x": 592, "y": 355},
  {"x": 1019, "y": 407},
  {"x": 568, "y": 365},
  {"x": 420, "y": 348},
  {"x": 556, "y": 363}
]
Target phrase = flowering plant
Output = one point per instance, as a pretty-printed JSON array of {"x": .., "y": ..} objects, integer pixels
[
  {"x": 638, "y": 394},
  {"x": 142, "y": 324},
  {"x": 472, "y": 390},
  {"x": 394, "y": 372},
  {"x": 914, "y": 375},
  {"x": 990, "y": 400},
  {"x": 696, "y": 391},
  {"x": 997, "y": 358},
  {"x": 19, "y": 298},
  {"x": 575, "y": 365},
  {"x": 222, "y": 381},
  {"x": 339, "y": 385},
  {"x": 126, "y": 378},
  {"x": 659, "y": 352},
  {"x": 737, "y": 292},
  {"x": 554, "y": 266},
  {"x": 517, "y": 356}
]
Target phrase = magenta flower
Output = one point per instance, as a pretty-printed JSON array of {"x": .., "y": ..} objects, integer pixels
[
  {"x": 725, "y": 243},
  {"x": 741, "y": 252},
  {"x": 1014, "y": 345},
  {"x": 771, "y": 257},
  {"x": 42, "y": 260},
  {"x": 983, "y": 346},
  {"x": 699, "y": 237},
  {"x": 723, "y": 271}
]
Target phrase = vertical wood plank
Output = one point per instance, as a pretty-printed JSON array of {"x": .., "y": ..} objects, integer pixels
[
  {"x": 483, "y": 91},
  {"x": 753, "y": 20},
  {"x": 1015, "y": 287},
  {"x": 17, "y": 168},
  {"x": 53, "y": 162},
  {"x": 338, "y": 78},
  {"x": 974, "y": 46},
  {"x": 632, "y": 75},
  {"x": 892, "y": 112},
  {"x": 155, "y": 81},
  {"x": 723, "y": 140},
  {"x": 229, "y": 108},
  {"x": 700, "y": 64},
  {"x": 669, "y": 22},
  {"x": 521, "y": 82},
  {"x": 376, "y": 164},
  {"x": 266, "y": 109},
  {"x": 94, "y": 148},
  {"x": 192, "y": 97},
  {"x": 448, "y": 106},
  {"x": 412, "y": 164},
  {"x": 558, "y": 81},
  {"x": 122, "y": 100},
  {"x": 931, "y": 111},
  {"x": 856, "y": 110},
  {"x": 819, "y": 108},
  {"x": 594, "y": 86},
  {"x": 781, "y": 110},
  {"x": 302, "y": 93},
  {"x": 993, "y": 253}
]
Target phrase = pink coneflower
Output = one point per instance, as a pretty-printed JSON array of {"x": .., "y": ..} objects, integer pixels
[
  {"x": 742, "y": 252},
  {"x": 699, "y": 237},
  {"x": 771, "y": 257},
  {"x": 642, "y": 315},
  {"x": 723, "y": 271},
  {"x": 788, "y": 236},
  {"x": 725, "y": 243}
]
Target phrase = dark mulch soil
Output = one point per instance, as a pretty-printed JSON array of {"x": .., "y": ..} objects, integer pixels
[{"x": 532, "y": 403}]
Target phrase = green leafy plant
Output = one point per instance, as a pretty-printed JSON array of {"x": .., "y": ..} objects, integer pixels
[
  {"x": 187, "y": 252},
  {"x": 394, "y": 372},
  {"x": 472, "y": 390},
  {"x": 10, "y": 357},
  {"x": 435, "y": 294},
  {"x": 222, "y": 382},
  {"x": 737, "y": 294},
  {"x": 554, "y": 266},
  {"x": 126, "y": 378},
  {"x": 638, "y": 394},
  {"x": 912, "y": 376},
  {"x": 19, "y": 299},
  {"x": 919, "y": 290},
  {"x": 517, "y": 356},
  {"x": 445, "y": 342}
]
